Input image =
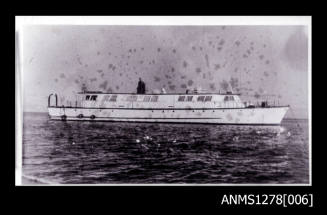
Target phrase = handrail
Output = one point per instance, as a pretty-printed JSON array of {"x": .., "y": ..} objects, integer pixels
[{"x": 49, "y": 99}]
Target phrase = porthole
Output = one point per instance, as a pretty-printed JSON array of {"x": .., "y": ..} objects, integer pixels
[
  {"x": 92, "y": 117},
  {"x": 80, "y": 116}
]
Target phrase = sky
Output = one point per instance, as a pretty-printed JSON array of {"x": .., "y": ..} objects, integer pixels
[{"x": 251, "y": 60}]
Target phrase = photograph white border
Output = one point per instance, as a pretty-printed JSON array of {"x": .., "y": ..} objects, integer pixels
[{"x": 22, "y": 21}]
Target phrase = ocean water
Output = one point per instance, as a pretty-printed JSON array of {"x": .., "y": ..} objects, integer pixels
[{"x": 147, "y": 153}]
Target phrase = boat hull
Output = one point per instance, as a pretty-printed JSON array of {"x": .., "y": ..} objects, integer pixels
[{"x": 234, "y": 116}]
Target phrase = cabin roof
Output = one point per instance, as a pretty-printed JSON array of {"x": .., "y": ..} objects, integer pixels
[{"x": 98, "y": 92}]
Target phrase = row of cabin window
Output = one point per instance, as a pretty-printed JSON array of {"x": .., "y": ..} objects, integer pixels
[
  {"x": 145, "y": 99},
  {"x": 113, "y": 98},
  {"x": 199, "y": 99},
  {"x": 133, "y": 98}
]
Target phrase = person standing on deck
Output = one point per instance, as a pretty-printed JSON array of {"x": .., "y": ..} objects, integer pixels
[{"x": 140, "y": 87}]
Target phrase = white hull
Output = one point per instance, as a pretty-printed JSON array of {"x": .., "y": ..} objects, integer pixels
[{"x": 239, "y": 116}]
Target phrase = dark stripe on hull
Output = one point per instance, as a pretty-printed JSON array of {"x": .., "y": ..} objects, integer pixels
[
  {"x": 202, "y": 123},
  {"x": 167, "y": 108},
  {"x": 111, "y": 119}
]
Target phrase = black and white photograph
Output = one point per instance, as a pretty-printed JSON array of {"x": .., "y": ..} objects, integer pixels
[{"x": 163, "y": 100}]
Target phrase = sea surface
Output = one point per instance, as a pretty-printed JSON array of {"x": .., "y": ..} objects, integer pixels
[{"x": 56, "y": 152}]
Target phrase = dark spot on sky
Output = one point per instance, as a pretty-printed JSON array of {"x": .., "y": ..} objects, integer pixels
[
  {"x": 142, "y": 49},
  {"x": 102, "y": 74},
  {"x": 207, "y": 60},
  {"x": 183, "y": 76},
  {"x": 172, "y": 69},
  {"x": 210, "y": 42},
  {"x": 158, "y": 49},
  {"x": 236, "y": 69},
  {"x": 134, "y": 51},
  {"x": 212, "y": 86},
  {"x": 198, "y": 70},
  {"x": 190, "y": 83},
  {"x": 98, "y": 53},
  {"x": 245, "y": 56},
  {"x": 233, "y": 82},
  {"x": 117, "y": 87},
  {"x": 193, "y": 48},
  {"x": 219, "y": 48},
  {"x": 109, "y": 90},
  {"x": 156, "y": 79},
  {"x": 222, "y": 41},
  {"x": 257, "y": 95},
  {"x": 266, "y": 73},
  {"x": 224, "y": 85},
  {"x": 183, "y": 86},
  {"x": 184, "y": 64},
  {"x": 93, "y": 79},
  {"x": 200, "y": 48},
  {"x": 56, "y": 80},
  {"x": 153, "y": 61},
  {"x": 120, "y": 74},
  {"x": 99, "y": 70},
  {"x": 62, "y": 75},
  {"x": 237, "y": 43},
  {"x": 203, "y": 75},
  {"x": 267, "y": 61},
  {"x": 261, "y": 57},
  {"x": 172, "y": 87},
  {"x": 174, "y": 50},
  {"x": 141, "y": 61},
  {"x": 130, "y": 50},
  {"x": 217, "y": 66},
  {"x": 248, "y": 51},
  {"x": 77, "y": 81},
  {"x": 103, "y": 85}
]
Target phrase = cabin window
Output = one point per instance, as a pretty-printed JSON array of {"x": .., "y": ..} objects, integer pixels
[
  {"x": 106, "y": 98},
  {"x": 87, "y": 97},
  {"x": 113, "y": 98},
  {"x": 147, "y": 98},
  {"x": 154, "y": 98},
  {"x": 132, "y": 98},
  {"x": 181, "y": 98},
  {"x": 93, "y": 98},
  {"x": 200, "y": 98},
  {"x": 189, "y": 98},
  {"x": 208, "y": 98},
  {"x": 229, "y": 98}
]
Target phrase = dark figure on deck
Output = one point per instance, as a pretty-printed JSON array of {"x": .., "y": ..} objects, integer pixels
[{"x": 141, "y": 87}]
